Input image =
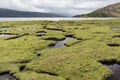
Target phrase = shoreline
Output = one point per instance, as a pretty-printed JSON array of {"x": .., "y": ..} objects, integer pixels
[{"x": 50, "y": 19}]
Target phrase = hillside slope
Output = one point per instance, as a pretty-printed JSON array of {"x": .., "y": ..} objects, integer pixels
[
  {"x": 15, "y": 13},
  {"x": 109, "y": 11}
]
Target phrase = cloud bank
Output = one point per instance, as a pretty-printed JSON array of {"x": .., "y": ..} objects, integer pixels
[{"x": 69, "y": 7}]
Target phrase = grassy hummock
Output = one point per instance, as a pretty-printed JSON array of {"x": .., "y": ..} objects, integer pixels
[{"x": 95, "y": 42}]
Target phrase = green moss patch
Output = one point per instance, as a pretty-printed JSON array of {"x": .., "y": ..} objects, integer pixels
[{"x": 28, "y": 56}]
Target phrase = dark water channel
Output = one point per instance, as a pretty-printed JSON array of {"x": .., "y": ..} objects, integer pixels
[
  {"x": 6, "y": 77},
  {"x": 115, "y": 69},
  {"x": 61, "y": 44}
]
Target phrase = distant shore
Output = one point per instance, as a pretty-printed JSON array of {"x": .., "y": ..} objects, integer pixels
[{"x": 50, "y": 19}]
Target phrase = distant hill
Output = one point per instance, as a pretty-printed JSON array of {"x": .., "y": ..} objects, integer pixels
[
  {"x": 109, "y": 11},
  {"x": 15, "y": 13}
]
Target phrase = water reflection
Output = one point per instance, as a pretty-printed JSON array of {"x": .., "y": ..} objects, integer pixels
[
  {"x": 116, "y": 71},
  {"x": 7, "y": 35},
  {"x": 6, "y": 77},
  {"x": 60, "y": 44}
]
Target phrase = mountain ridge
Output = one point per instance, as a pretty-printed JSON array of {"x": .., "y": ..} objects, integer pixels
[
  {"x": 15, "y": 13},
  {"x": 108, "y": 11}
]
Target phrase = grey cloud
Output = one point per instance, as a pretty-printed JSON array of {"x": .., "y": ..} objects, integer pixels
[{"x": 69, "y": 7}]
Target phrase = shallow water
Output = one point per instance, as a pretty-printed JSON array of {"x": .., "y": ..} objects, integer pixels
[
  {"x": 6, "y": 77},
  {"x": 51, "y": 19},
  {"x": 41, "y": 34},
  {"x": 6, "y": 35},
  {"x": 116, "y": 71},
  {"x": 60, "y": 44}
]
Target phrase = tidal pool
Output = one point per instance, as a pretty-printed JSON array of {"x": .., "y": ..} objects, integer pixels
[
  {"x": 61, "y": 44},
  {"x": 6, "y": 77},
  {"x": 116, "y": 71},
  {"x": 7, "y": 35}
]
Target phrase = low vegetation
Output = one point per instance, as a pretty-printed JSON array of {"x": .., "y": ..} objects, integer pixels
[{"x": 29, "y": 57}]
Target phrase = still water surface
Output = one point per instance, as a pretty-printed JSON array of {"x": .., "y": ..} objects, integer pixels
[{"x": 51, "y": 19}]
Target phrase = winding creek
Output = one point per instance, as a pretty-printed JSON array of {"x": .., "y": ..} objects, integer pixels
[
  {"x": 112, "y": 66},
  {"x": 61, "y": 44}
]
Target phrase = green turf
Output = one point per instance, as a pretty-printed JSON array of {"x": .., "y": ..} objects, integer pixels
[{"x": 79, "y": 60}]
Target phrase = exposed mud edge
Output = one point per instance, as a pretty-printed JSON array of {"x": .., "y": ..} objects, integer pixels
[
  {"x": 113, "y": 45},
  {"x": 22, "y": 68},
  {"x": 40, "y": 33},
  {"x": 54, "y": 39},
  {"x": 17, "y": 36},
  {"x": 52, "y": 44},
  {"x": 55, "y": 29},
  {"x": 70, "y": 35},
  {"x": 5, "y": 72},
  {"x": 116, "y": 36},
  {"x": 49, "y": 73},
  {"x": 108, "y": 61}
]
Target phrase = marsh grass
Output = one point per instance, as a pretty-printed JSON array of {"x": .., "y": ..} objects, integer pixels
[{"x": 80, "y": 60}]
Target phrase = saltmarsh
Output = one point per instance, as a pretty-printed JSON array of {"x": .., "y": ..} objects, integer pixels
[{"x": 29, "y": 56}]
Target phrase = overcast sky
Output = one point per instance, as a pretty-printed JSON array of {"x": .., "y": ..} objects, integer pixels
[{"x": 71, "y": 7}]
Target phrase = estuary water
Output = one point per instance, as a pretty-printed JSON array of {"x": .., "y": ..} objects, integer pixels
[{"x": 2, "y": 19}]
